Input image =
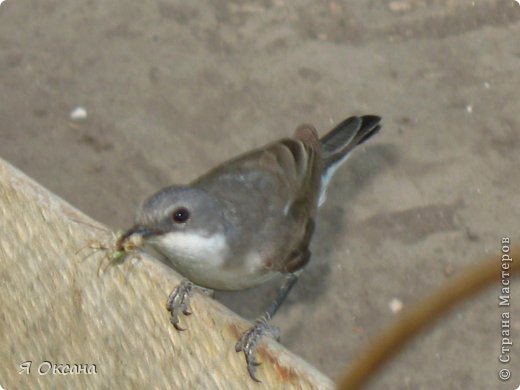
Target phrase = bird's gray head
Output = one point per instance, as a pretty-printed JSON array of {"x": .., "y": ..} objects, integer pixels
[
  {"x": 179, "y": 208},
  {"x": 180, "y": 221}
]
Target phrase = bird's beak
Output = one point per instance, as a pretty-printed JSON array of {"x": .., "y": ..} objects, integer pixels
[{"x": 133, "y": 237}]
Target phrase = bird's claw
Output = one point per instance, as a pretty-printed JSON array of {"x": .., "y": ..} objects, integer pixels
[
  {"x": 179, "y": 302},
  {"x": 250, "y": 339}
]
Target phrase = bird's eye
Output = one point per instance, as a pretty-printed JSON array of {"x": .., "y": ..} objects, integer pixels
[{"x": 181, "y": 215}]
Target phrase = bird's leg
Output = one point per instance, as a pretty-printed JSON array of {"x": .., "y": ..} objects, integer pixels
[
  {"x": 179, "y": 301},
  {"x": 249, "y": 340}
]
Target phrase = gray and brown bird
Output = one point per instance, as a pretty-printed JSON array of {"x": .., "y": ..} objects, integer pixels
[{"x": 248, "y": 219}]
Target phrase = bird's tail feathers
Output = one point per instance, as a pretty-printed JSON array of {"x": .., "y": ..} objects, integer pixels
[{"x": 338, "y": 143}]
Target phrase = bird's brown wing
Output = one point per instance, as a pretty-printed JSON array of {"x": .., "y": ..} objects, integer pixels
[{"x": 294, "y": 165}]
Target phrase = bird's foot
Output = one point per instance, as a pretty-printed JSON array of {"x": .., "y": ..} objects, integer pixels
[
  {"x": 250, "y": 339},
  {"x": 179, "y": 301}
]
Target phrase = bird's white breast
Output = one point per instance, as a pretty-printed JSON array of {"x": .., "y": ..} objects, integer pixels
[
  {"x": 202, "y": 259},
  {"x": 193, "y": 249}
]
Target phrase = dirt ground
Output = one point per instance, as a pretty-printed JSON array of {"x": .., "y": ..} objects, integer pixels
[{"x": 172, "y": 88}]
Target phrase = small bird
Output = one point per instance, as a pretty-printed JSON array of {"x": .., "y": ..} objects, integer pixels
[{"x": 248, "y": 219}]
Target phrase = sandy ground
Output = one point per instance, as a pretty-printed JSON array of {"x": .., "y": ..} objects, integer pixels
[{"x": 172, "y": 88}]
